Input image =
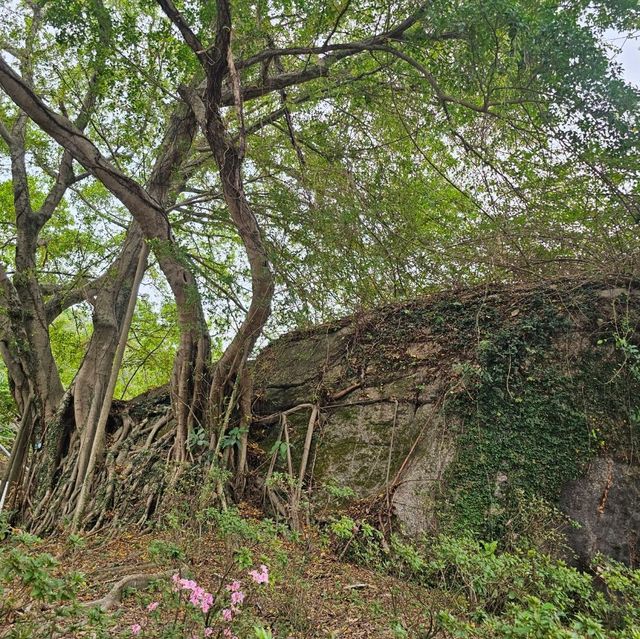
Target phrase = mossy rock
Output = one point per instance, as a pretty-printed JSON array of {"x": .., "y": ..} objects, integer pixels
[{"x": 504, "y": 395}]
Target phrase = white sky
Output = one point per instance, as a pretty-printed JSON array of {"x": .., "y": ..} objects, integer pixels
[{"x": 629, "y": 56}]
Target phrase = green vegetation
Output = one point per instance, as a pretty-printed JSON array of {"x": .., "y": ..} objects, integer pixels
[
  {"x": 182, "y": 180},
  {"x": 443, "y": 587},
  {"x": 7, "y": 412},
  {"x": 523, "y": 433},
  {"x": 493, "y": 594},
  {"x": 522, "y": 388},
  {"x": 521, "y": 428}
]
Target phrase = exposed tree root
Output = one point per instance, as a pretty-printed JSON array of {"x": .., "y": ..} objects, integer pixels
[
  {"x": 127, "y": 485},
  {"x": 114, "y": 596},
  {"x": 136, "y": 476}
]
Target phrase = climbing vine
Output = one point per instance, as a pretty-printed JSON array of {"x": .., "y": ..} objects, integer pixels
[{"x": 533, "y": 410}]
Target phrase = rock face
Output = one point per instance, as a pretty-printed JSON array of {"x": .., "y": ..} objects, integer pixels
[
  {"x": 461, "y": 410},
  {"x": 606, "y": 503}
]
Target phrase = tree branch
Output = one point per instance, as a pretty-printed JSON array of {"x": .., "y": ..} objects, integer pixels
[
  {"x": 340, "y": 50},
  {"x": 187, "y": 34},
  {"x": 147, "y": 211},
  {"x": 63, "y": 300},
  {"x": 5, "y": 134},
  {"x": 63, "y": 180}
]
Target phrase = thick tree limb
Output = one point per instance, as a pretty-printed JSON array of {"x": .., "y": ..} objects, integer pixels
[
  {"x": 218, "y": 63},
  {"x": 147, "y": 211},
  {"x": 5, "y": 134},
  {"x": 62, "y": 300}
]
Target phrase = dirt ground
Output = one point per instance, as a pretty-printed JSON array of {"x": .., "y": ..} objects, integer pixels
[{"x": 311, "y": 592}]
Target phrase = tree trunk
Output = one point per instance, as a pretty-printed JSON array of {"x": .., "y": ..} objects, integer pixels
[
  {"x": 98, "y": 435},
  {"x": 217, "y": 62},
  {"x": 26, "y": 348},
  {"x": 147, "y": 208},
  {"x": 108, "y": 312}
]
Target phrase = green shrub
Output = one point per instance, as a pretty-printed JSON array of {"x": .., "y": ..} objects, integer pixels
[
  {"x": 528, "y": 594},
  {"x": 622, "y": 584},
  {"x": 494, "y": 594},
  {"x": 28, "y": 582},
  {"x": 359, "y": 541},
  {"x": 490, "y": 580}
]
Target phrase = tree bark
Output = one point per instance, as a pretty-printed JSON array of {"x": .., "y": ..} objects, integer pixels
[
  {"x": 229, "y": 156},
  {"x": 146, "y": 207},
  {"x": 108, "y": 312},
  {"x": 98, "y": 433}
]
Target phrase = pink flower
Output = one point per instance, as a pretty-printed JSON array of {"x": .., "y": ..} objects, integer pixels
[
  {"x": 227, "y": 614},
  {"x": 196, "y": 595},
  {"x": 228, "y": 634},
  {"x": 206, "y": 602},
  {"x": 260, "y": 576},
  {"x": 234, "y": 586},
  {"x": 237, "y": 597},
  {"x": 136, "y": 629},
  {"x": 208, "y": 632},
  {"x": 153, "y": 605}
]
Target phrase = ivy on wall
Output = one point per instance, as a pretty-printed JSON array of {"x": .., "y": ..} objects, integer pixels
[{"x": 533, "y": 411}]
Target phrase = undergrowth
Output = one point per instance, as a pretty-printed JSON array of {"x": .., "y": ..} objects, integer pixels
[
  {"x": 494, "y": 594},
  {"x": 260, "y": 586}
]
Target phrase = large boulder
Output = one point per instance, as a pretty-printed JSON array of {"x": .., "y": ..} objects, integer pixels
[{"x": 467, "y": 410}]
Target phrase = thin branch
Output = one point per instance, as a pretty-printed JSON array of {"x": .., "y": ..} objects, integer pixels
[
  {"x": 341, "y": 15},
  {"x": 187, "y": 34},
  {"x": 63, "y": 180},
  {"x": 5, "y": 134},
  {"x": 340, "y": 50}
]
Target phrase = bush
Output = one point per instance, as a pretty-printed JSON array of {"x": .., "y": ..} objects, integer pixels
[
  {"x": 528, "y": 594},
  {"x": 490, "y": 580},
  {"x": 28, "y": 582},
  {"x": 490, "y": 594}
]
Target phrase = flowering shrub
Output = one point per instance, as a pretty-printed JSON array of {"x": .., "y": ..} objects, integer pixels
[
  {"x": 260, "y": 576},
  {"x": 195, "y": 612}
]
